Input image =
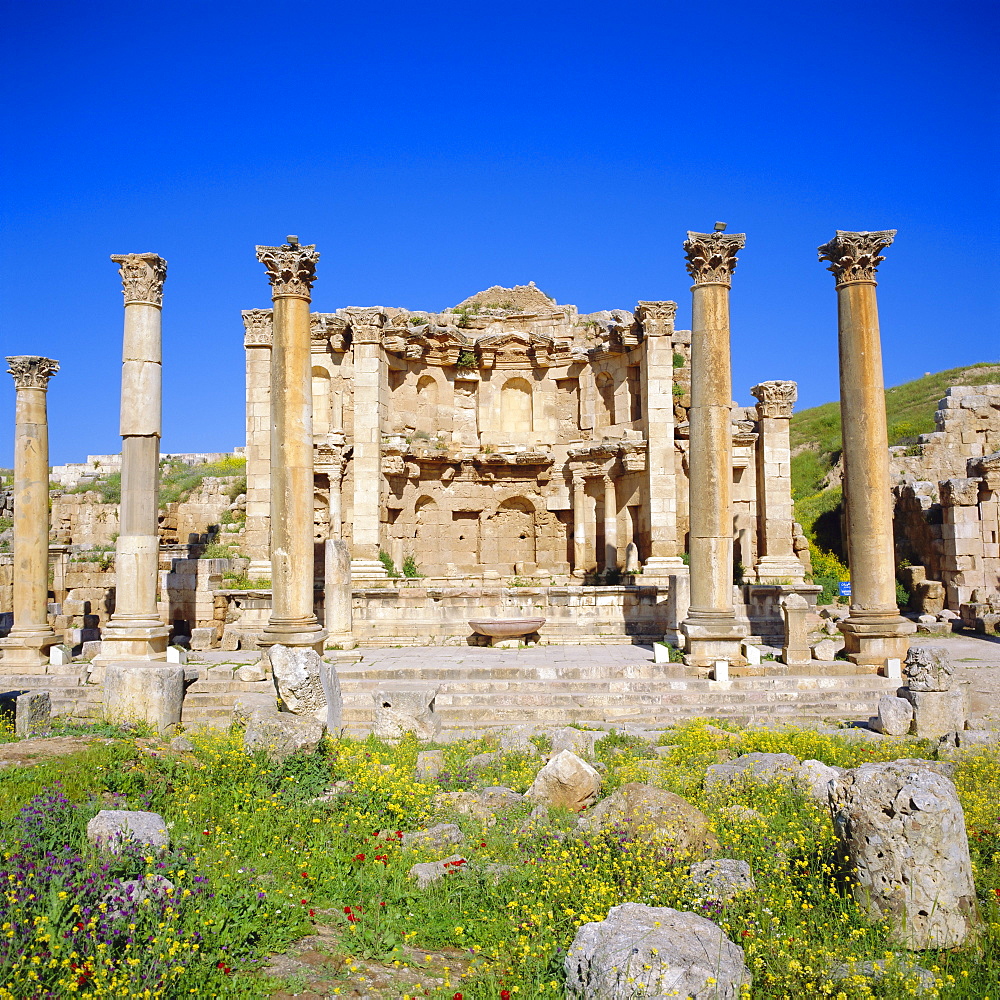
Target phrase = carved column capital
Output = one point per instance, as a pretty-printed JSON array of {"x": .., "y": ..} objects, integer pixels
[
  {"x": 855, "y": 256},
  {"x": 367, "y": 325},
  {"x": 32, "y": 372},
  {"x": 259, "y": 327},
  {"x": 657, "y": 318},
  {"x": 775, "y": 398},
  {"x": 291, "y": 269},
  {"x": 143, "y": 275},
  {"x": 711, "y": 257}
]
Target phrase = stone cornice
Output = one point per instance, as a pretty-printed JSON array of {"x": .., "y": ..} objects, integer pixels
[
  {"x": 142, "y": 276},
  {"x": 291, "y": 269},
  {"x": 366, "y": 324},
  {"x": 711, "y": 257},
  {"x": 259, "y": 327},
  {"x": 775, "y": 398},
  {"x": 31, "y": 372},
  {"x": 855, "y": 256},
  {"x": 657, "y": 318}
]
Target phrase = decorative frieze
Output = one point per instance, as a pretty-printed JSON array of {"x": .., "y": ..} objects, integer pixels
[
  {"x": 855, "y": 256},
  {"x": 259, "y": 327},
  {"x": 776, "y": 398},
  {"x": 711, "y": 257},
  {"x": 142, "y": 275},
  {"x": 657, "y": 318},
  {"x": 31, "y": 372},
  {"x": 291, "y": 269}
]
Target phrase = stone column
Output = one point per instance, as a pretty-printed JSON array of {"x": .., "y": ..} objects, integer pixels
[
  {"x": 711, "y": 629},
  {"x": 874, "y": 631},
  {"x": 776, "y": 559},
  {"x": 664, "y": 560},
  {"x": 291, "y": 270},
  {"x": 257, "y": 534},
  {"x": 579, "y": 524},
  {"x": 136, "y": 632},
  {"x": 367, "y": 459},
  {"x": 610, "y": 526},
  {"x": 25, "y": 649},
  {"x": 339, "y": 618}
]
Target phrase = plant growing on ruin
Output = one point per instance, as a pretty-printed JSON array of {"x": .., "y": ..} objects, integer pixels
[
  {"x": 466, "y": 360},
  {"x": 410, "y": 568},
  {"x": 679, "y": 360},
  {"x": 386, "y": 560},
  {"x": 418, "y": 320}
]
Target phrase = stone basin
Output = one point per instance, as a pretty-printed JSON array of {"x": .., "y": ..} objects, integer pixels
[{"x": 505, "y": 628}]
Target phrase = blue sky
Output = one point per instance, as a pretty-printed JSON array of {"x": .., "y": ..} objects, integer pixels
[{"x": 431, "y": 150}]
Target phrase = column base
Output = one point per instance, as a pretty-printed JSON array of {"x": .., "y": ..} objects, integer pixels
[
  {"x": 708, "y": 638},
  {"x": 657, "y": 570},
  {"x": 296, "y": 634},
  {"x": 367, "y": 569},
  {"x": 129, "y": 643},
  {"x": 779, "y": 570},
  {"x": 344, "y": 640},
  {"x": 871, "y": 641},
  {"x": 26, "y": 653}
]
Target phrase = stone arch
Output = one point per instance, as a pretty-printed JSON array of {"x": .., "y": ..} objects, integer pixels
[
  {"x": 514, "y": 529},
  {"x": 426, "y": 530},
  {"x": 321, "y": 401},
  {"x": 515, "y": 406},
  {"x": 605, "y": 415},
  {"x": 426, "y": 417}
]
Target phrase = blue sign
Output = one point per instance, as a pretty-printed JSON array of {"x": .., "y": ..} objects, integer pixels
[{"x": 845, "y": 588}]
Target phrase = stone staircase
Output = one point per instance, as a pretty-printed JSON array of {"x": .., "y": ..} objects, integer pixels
[
  {"x": 71, "y": 695},
  {"x": 210, "y": 700}
]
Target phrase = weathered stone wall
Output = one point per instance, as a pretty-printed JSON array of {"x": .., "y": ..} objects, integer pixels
[{"x": 82, "y": 519}]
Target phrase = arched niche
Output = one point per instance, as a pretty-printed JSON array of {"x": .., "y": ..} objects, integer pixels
[
  {"x": 515, "y": 407},
  {"x": 426, "y": 417},
  {"x": 321, "y": 401},
  {"x": 514, "y": 528},
  {"x": 605, "y": 415}
]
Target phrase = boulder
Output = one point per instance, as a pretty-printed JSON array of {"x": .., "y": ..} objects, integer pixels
[
  {"x": 815, "y": 777},
  {"x": 281, "y": 734},
  {"x": 401, "y": 709},
  {"x": 306, "y": 684},
  {"x": 434, "y": 838},
  {"x": 430, "y": 763},
  {"x": 753, "y": 767},
  {"x": 579, "y": 741},
  {"x": 649, "y": 812},
  {"x": 902, "y": 832},
  {"x": 936, "y": 713},
  {"x": 110, "y": 828},
  {"x": 565, "y": 781},
  {"x": 653, "y": 952},
  {"x": 895, "y": 715},
  {"x": 431, "y": 871},
  {"x": 928, "y": 668},
  {"x": 723, "y": 879}
]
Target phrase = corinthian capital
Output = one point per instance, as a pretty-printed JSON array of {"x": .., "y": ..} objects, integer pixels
[
  {"x": 855, "y": 256},
  {"x": 711, "y": 257},
  {"x": 259, "y": 327},
  {"x": 32, "y": 372},
  {"x": 143, "y": 275},
  {"x": 367, "y": 324},
  {"x": 657, "y": 318},
  {"x": 775, "y": 398},
  {"x": 291, "y": 269}
]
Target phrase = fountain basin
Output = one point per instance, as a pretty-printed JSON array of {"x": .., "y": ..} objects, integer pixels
[{"x": 505, "y": 628}]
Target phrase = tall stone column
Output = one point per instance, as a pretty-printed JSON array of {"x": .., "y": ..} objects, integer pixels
[
  {"x": 579, "y": 524},
  {"x": 291, "y": 270},
  {"x": 610, "y": 526},
  {"x": 257, "y": 340},
  {"x": 874, "y": 631},
  {"x": 711, "y": 630},
  {"x": 136, "y": 632},
  {"x": 663, "y": 560},
  {"x": 25, "y": 649},
  {"x": 776, "y": 559},
  {"x": 367, "y": 459}
]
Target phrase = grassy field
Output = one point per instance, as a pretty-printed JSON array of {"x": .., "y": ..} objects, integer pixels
[{"x": 263, "y": 855}]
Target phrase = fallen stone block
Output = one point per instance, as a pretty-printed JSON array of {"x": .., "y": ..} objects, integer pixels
[
  {"x": 32, "y": 714},
  {"x": 579, "y": 741},
  {"x": 928, "y": 668},
  {"x": 401, "y": 709},
  {"x": 111, "y": 828},
  {"x": 815, "y": 777},
  {"x": 434, "y": 838},
  {"x": 281, "y": 734},
  {"x": 565, "y": 781},
  {"x": 936, "y": 713},
  {"x": 895, "y": 715},
  {"x": 753, "y": 767},
  {"x": 144, "y": 691},
  {"x": 723, "y": 878},
  {"x": 431, "y": 871},
  {"x": 430, "y": 763}
]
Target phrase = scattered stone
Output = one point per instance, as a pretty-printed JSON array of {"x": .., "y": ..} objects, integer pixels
[
  {"x": 254, "y": 672},
  {"x": 122, "y": 899},
  {"x": 517, "y": 740},
  {"x": 937, "y": 712},
  {"x": 144, "y": 691},
  {"x": 579, "y": 741},
  {"x": 203, "y": 639},
  {"x": 181, "y": 744},
  {"x": 32, "y": 713},
  {"x": 921, "y": 979},
  {"x": 928, "y": 668},
  {"x": 826, "y": 649},
  {"x": 724, "y": 878},
  {"x": 90, "y": 649},
  {"x": 406, "y": 709},
  {"x": 902, "y": 830},
  {"x": 653, "y": 952},
  {"x": 482, "y": 805},
  {"x": 498, "y": 798},
  {"x": 649, "y": 812},
  {"x": 755, "y": 767},
  {"x": 430, "y": 763},
  {"x": 895, "y": 715},
  {"x": 110, "y": 828},
  {"x": 434, "y": 838},
  {"x": 246, "y": 704},
  {"x": 815, "y": 778},
  {"x": 430, "y": 871},
  {"x": 947, "y": 615},
  {"x": 565, "y": 781},
  {"x": 281, "y": 734},
  {"x": 306, "y": 684},
  {"x": 479, "y": 762}
]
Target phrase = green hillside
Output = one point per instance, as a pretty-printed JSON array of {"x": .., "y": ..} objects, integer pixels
[{"x": 815, "y": 433}]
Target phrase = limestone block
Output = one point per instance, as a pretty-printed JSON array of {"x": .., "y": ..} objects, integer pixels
[
  {"x": 723, "y": 878},
  {"x": 928, "y": 668},
  {"x": 91, "y": 649},
  {"x": 202, "y": 638},
  {"x": 516, "y": 739},
  {"x": 282, "y": 734},
  {"x": 902, "y": 831},
  {"x": 176, "y": 654},
  {"x": 146, "y": 691},
  {"x": 59, "y": 656},
  {"x": 753, "y": 767},
  {"x": 815, "y": 777},
  {"x": 565, "y": 781},
  {"x": 580, "y": 741},
  {"x": 110, "y": 828},
  {"x": 253, "y": 672},
  {"x": 895, "y": 715},
  {"x": 936, "y": 713},
  {"x": 298, "y": 677},
  {"x": 826, "y": 649},
  {"x": 434, "y": 838},
  {"x": 652, "y": 952},
  {"x": 429, "y": 765},
  {"x": 650, "y": 812},
  {"x": 403, "y": 709},
  {"x": 431, "y": 871},
  {"x": 246, "y": 704},
  {"x": 32, "y": 713}
]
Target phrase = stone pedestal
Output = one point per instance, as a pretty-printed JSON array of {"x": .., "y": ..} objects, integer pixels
[
  {"x": 135, "y": 631},
  {"x": 337, "y": 594},
  {"x": 291, "y": 270},
  {"x": 145, "y": 692},
  {"x": 796, "y": 648},
  {"x": 711, "y": 630},
  {"x": 25, "y": 648},
  {"x": 874, "y": 631}
]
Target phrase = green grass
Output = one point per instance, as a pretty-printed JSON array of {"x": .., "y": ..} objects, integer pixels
[{"x": 178, "y": 482}]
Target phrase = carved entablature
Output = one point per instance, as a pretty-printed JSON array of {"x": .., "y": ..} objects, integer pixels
[
  {"x": 330, "y": 457},
  {"x": 855, "y": 256},
  {"x": 32, "y": 372},
  {"x": 988, "y": 469},
  {"x": 515, "y": 349},
  {"x": 366, "y": 324},
  {"x": 142, "y": 275},
  {"x": 392, "y": 461},
  {"x": 711, "y": 257},
  {"x": 656, "y": 318},
  {"x": 743, "y": 432},
  {"x": 434, "y": 345},
  {"x": 775, "y": 398},
  {"x": 291, "y": 269},
  {"x": 633, "y": 456},
  {"x": 328, "y": 330},
  {"x": 523, "y": 459},
  {"x": 259, "y": 327}
]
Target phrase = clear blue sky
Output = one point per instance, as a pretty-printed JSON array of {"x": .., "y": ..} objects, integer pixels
[{"x": 431, "y": 150}]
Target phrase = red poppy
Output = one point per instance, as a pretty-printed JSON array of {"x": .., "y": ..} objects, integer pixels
[
  {"x": 359, "y": 857},
  {"x": 505, "y": 995}
]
